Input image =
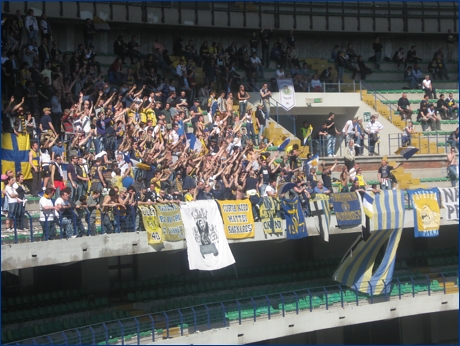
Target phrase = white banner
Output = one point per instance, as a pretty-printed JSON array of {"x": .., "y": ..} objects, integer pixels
[
  {"x": 207, "y": 246},
  {"x": 449, "y": 200},
  {"x": 286, "y": 92}
]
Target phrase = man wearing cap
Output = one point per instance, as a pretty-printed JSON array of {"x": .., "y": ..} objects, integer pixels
[{"x": 46, "y": 123}]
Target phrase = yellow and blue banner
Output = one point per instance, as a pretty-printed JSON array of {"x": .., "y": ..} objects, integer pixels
[
  {"x": 348, "y": 208},
  {"x": 15, "y": 154},
  {"x": 270, "y": 217},
  {"x": 149, "y": 219},
  {"x": 427, "y": 217},
  {"x": 295, "y": 220},
  {"x": 170, "y": 221},
  {"x": 356, "y": 268},
  {"x": 238, "y": 219},
  {"x": 368, "y": 203}
]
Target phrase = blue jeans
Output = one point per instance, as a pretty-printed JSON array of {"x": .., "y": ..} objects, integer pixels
[
  {"x": 330, "y": 144},
  {"x": 412, "y": 81},
  {"x": 50, "y": 228},
  {"x": 76, "y": 192},
  {"x": 378, "y": 58},
  {"x": 452, "y": 172},
  {"x": 250, "y": 131},
  {"x": 261, "y": 132},
  {"x": 242, "y": 108},
  {"x": 319, "y": 146},
  {"x": 386, "y": 186},
  {"x": 267, "y": 108},
  {"x": 340, "y": 70},
  {"x": 32, "y": 35},
  {"x": 371, "y": 145}
]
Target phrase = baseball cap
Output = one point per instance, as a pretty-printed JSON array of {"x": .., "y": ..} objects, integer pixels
[{"x": 46, "y": 109}]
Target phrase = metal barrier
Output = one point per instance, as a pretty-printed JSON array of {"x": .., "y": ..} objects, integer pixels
[
  {"x": 395, "y": 141},
  {"x": 378, "y": 96},
  {"x": 212, "y": 313}
]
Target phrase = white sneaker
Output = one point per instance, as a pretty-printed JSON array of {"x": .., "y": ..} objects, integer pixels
[
  {"x": 74, "y": 236},
  {"x": 334, "y": 155},
  {"x": 329, "y": 155}
]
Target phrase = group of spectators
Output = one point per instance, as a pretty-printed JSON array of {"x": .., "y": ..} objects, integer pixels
[
  {"x": 429, "y": 114},
  {"x": 131, "y": 145},
  {"x": 323, "y": 141}
]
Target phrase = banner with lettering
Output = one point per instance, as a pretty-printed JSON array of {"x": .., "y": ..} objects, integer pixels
[
  {"x": 238, "y": 219},
  {"x": 427, "y": 217},
  {"x": 295, "y": 220},
  {"x": 348, "y": 208},
  {"x": 207, "y": 246},
  {"x": 150, "y": 222},
  {"x": 269, "y": 212},
  {"x": 449, "y": 200},
  {"x": 170, "y": 221}
]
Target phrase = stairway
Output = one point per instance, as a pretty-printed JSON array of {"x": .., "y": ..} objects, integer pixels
[{"x": 425, "y": 146}]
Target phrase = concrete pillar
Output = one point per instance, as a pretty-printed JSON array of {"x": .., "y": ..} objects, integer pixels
[
  {"x": 330, "y": 336},
  {"x": 95, "y": 275},
  {"x": 27, "y": 277}
]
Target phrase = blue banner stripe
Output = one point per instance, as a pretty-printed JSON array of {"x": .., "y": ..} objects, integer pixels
[{"x": 375, "y": 242}]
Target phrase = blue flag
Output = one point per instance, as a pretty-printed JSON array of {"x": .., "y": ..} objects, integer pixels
[
  {"x": 295, "y": 221},
  {"x": 348, "y": 208}
]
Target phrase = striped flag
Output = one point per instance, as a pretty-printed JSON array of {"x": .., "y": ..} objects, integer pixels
[
  {"x": 368, "y": 201},
  {"x": 406, "y": 152},
  {"x": 355, "y": 270},
  {"x": 321, "y": 212}
]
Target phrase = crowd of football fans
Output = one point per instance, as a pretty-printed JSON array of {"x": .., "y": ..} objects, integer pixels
[{"x": 149, "y": 133}]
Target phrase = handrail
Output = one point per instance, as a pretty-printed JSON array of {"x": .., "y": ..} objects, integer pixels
[{"x": 176, "y": 317}]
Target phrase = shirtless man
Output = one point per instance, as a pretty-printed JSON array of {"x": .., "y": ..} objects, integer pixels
[{"x": 452, "y": 167}]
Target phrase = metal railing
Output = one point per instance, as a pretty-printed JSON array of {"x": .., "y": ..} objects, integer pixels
[
  {"x": 264, "y": 304},
  {"x": 60, "y": 226},
  {"x": 397, "y": 140},
  {"x": 377, "y": 96}
]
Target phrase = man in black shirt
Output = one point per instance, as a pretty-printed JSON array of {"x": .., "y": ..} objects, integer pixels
[
  {"x": 119, "y": 48},
  {"x": 253, "y": 42},
  {"x": 265, "y": 36},
  {"x": 404, "y": 107},
  {"x": 442, "y": 107},
  {"x": 331, "y": 132},
  {"x": 326, "y": 174},
  {"x": 412, "y": 56},
  {"x": 260, "y": 118},
  {"x": 319, "y": 140}
]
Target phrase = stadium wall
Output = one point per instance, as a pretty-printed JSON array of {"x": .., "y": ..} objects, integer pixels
[{"x": 315, "y": 35}]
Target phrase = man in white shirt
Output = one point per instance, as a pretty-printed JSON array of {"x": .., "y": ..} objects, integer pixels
[
  {"x": 316, "y": 84},
  {"x": 270, "y": 190},
  {"x": 279, "y": 73},
  {"x": 64, "y": 209},
  {"x": 47, "y": 213},
  {"x": 221, "y": 103},
  {"x": 372, "y": 129},
  {"x": 173, "y": 136},
  {"x": 31, "y": 25},
  {"x": 349, "y": 130},
  {"x": 257, "y": 65}
]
